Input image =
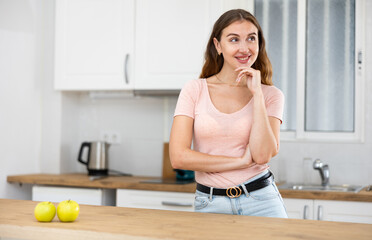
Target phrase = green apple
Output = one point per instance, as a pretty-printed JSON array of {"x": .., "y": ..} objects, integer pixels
[
  {"x": 68, "y": 211},
  {"x": 45, "y": 211}
]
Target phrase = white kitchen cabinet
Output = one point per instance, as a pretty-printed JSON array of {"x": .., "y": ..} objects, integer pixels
[
  {"x": 94, "y": 44},
  {"x": 343, "y": 211},
  {"x": 133, "y": 44},
  {"x": 91, "y": 196},
  {"x": 175, "y": 201},
  {"x": 329, "y": 210},
  {"x": 171, "y": 38},
  {"x": 299, "y": 208}
]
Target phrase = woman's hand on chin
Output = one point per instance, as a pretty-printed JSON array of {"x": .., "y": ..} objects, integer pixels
[{"x": 253, "y": 78}]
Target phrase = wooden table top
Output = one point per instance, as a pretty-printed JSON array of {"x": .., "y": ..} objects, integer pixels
[
  {"x": 122, "y": 182},
  {"x": 101, "y": 222}
]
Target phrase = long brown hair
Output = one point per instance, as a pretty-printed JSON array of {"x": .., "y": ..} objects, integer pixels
[{"x": 214, "y": 62}]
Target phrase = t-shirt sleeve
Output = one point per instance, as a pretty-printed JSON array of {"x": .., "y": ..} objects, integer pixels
[
  {"x": 275, "y": 103},
  {"x": 187, "y": 99}
]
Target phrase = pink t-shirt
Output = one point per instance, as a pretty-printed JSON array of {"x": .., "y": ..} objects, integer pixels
[{"x": 218, "y": 133}]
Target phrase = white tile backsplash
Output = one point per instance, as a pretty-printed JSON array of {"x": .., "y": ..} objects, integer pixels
[{"x": 138, "y": 120}]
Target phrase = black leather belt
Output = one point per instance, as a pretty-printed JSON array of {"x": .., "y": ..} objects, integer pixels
[{"x": 236, "y": 191}]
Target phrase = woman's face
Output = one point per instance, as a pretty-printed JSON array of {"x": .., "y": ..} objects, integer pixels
[{"x": 238, "y": 44}]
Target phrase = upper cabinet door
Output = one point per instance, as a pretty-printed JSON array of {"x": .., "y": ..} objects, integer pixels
[
  {"x": 94, "y": 44},
  {"x": 171, "y": 37}
]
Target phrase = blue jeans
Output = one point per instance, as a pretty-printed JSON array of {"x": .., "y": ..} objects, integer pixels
[{"x": 265, "y": 202}]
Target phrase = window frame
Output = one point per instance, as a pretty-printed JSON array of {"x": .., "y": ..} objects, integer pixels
[{"x": 300, "y": 135}]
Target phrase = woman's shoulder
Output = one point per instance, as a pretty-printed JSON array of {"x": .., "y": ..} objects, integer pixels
[
  {"x": 271, "y": 91},
  {"x": 194, "y": 84}
]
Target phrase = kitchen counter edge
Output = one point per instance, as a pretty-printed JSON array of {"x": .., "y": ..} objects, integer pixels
[{"x": 139, "y": 183}]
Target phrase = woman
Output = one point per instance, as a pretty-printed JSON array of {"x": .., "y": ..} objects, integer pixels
[{"x": 233, "y": 115}]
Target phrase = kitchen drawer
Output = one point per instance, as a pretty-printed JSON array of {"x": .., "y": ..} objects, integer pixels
[
  {"x": 91, "y": 196},
  {"x": 155, "y": 200}
]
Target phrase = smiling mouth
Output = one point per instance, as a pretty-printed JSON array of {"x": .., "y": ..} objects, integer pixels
[{"x": 243, "y": 59}]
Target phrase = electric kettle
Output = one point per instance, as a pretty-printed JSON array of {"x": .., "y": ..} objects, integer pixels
[{"x": 97, "y": 160}]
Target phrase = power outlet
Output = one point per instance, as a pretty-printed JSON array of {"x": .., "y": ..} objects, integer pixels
[{"x": 111, "y": 137}]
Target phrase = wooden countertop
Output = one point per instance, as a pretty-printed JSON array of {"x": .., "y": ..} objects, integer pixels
[
  {"x": 112, "y": 182},
  {"x": 120, "y": 182},
  {"x": 101, "y": 222},
  {"x": 362, "y": 196}
]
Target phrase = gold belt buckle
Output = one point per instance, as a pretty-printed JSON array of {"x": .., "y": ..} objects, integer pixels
[{"x": 233, "y": 192}]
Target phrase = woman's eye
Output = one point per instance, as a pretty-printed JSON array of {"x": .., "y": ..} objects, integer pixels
[
  {"x": 233, "y": 39},
  {"x": 252, "y": 38}
]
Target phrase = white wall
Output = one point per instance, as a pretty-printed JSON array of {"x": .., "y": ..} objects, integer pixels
[
  {"x": 30, "y": 110},
  {"x": 41, "y": 129},
  {"x": 21, "y": 81}
]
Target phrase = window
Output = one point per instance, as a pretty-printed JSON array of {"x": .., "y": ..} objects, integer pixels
[{"x": 315, "y": 47}]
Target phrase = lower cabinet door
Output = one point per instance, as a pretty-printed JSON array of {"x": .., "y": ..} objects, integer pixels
[
  {"x": 329, "y": 210},
  {"x": 343, "y": 211},
  {"x": 88, "y": 196},
  {"x": 155, "y": 200},
  {"x": 299, "y": 208}
]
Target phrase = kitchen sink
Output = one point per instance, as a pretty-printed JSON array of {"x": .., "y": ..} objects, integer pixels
[{"x": 329, "y": 188}]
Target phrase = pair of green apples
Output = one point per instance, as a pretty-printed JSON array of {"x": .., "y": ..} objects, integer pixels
[{"x": 67, "y": 211}]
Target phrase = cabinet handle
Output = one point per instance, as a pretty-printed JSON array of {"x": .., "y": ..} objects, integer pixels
[
  {"x": 360, "y": 57},
  {"x": 126, "y": 68},
  {"x": 320, "y": 212},
  {"x": 176, "y": 204},
  {"x": 360, "y": 60},
  {"x": 306, "y": 212}
]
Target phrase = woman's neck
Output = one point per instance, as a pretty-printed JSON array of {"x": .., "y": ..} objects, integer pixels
[{"x": 227, "y": 75}]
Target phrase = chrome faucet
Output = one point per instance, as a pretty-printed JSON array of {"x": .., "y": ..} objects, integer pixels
[{"x": 323, "y": 170}]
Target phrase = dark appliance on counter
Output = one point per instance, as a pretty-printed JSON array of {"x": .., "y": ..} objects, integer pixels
[{"x": 184, "y": 175}]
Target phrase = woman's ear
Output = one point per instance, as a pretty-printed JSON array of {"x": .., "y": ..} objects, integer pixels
[{"x": 217, "y": 46}]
